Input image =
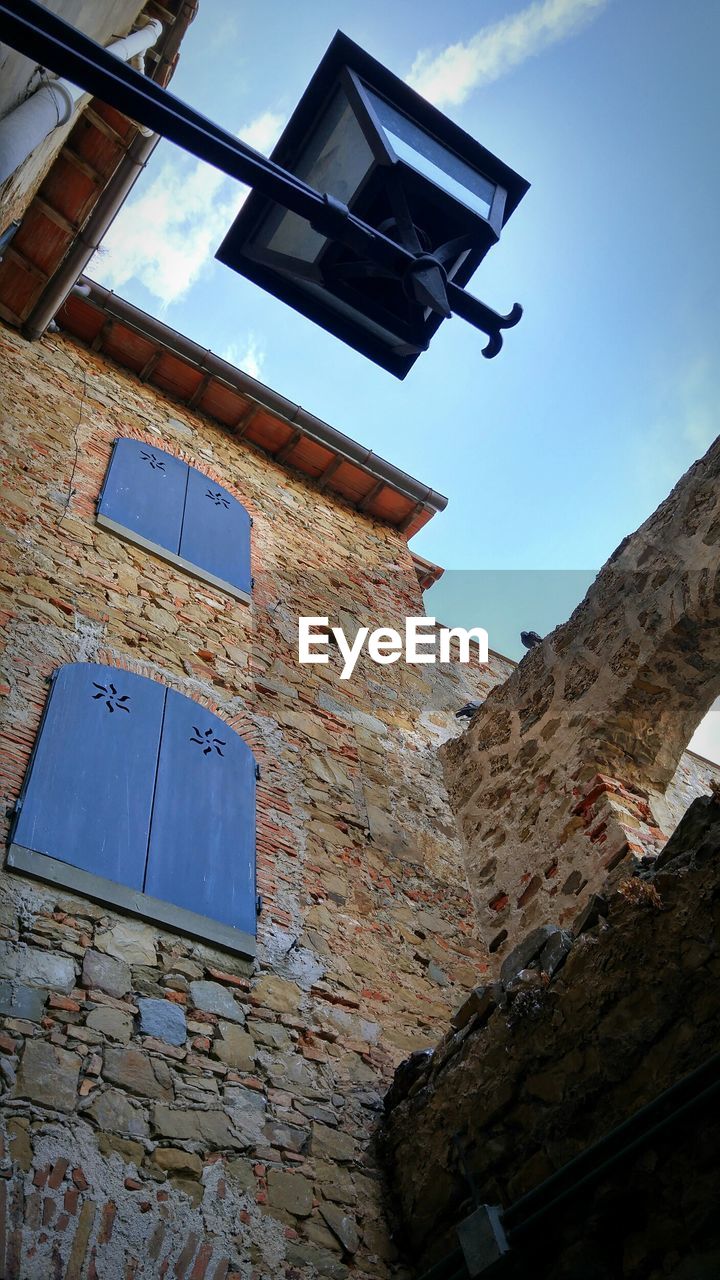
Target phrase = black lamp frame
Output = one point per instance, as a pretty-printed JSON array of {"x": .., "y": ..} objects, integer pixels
[
  {"x": 40, "y": 35},
  {"x": 347, "y": 68}
]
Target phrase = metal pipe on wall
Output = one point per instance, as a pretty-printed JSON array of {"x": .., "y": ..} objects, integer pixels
[
  {"x": 115, "y": 193},
  {"x": 692, "y": 1093},
  {"x": 52, "y": 105}
]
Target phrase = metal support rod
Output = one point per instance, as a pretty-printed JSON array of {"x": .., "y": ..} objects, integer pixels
[
  {"x": 41, "y": 35},
  {"x": 483, "y": 317}
]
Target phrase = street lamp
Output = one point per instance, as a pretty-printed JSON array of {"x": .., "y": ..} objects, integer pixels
[
  {"x": 408, "y": 203},
  {"x": 382, "y": 153}
]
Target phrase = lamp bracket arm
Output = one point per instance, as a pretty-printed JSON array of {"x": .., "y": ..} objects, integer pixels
[{"x": 482, "y": 317}]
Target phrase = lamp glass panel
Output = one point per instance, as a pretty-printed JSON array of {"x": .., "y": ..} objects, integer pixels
[
  {"x": 336, "y": 160},
  {"x": 429, "y": 157}
]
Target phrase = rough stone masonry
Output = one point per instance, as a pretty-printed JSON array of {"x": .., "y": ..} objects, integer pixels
[
  {"x": 567, "y": 768},
  {"x": 166, "y": 1110}
]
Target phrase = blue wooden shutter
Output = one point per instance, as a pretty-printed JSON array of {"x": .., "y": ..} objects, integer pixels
[
  {"x": 202, "y": 838},
  {"x": 88, "y": 796},
  {"x": 144, "y": 492},
  {"x": 216, "y": 532}
]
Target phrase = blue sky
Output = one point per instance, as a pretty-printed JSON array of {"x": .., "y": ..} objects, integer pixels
[{"x": 606, "y": 391}]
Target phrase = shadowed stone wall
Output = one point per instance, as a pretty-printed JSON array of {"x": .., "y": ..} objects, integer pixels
[
  {"x": 563, "y": 770},
  {"x": 536, "y": 1068}
]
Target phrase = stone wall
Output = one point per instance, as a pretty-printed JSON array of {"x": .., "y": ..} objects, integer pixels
[
  {"x": 166, "y": 1110},
  {"x": 693, "y": 777},
  {"x": 582, "y": 1031},
  {"x": 563, "y": 771}
]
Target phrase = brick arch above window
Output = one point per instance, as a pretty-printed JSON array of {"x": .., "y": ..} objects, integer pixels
[
  {"x": 141, "y": 797},
  {"x": 159, "y": 501},
  {"x": 238, "y": 719}
]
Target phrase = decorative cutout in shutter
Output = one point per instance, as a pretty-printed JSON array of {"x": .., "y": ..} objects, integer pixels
[{"x": 144, "y": 492}]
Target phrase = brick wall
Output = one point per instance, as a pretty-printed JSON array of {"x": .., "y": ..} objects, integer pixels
[{"x": 166, "y": 1110}]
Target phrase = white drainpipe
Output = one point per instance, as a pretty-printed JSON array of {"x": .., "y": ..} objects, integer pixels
[{"x": 52, "y": 105}]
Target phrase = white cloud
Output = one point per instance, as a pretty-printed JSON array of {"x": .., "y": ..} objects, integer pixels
[
  {"x": 224, "y": 34},
  {"x": 449, "y": 77},
  {"x": 250, "y": 356},
  {"x": 169, "y": 233},
  {"x": 263, "y": 132}
]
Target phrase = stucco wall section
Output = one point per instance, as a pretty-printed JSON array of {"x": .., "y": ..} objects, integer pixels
[{"x": 694, "y": 776}]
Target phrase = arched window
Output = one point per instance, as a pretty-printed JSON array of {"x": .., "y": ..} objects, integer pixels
[
  {"x": 159, "y": 502},
  {"x": 139, "y": 797}
]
